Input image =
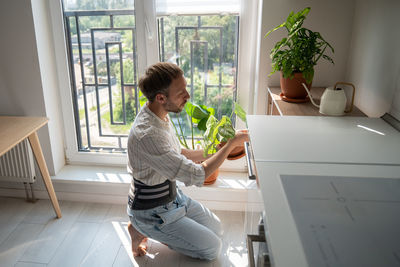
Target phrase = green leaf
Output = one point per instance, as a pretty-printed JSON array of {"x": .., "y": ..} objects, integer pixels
[
  {"x": 226, "y": 131},
  {"x": 210, "y": 125},
  {"x": 224, "y": 128},
  {"x": 239, "y": 111},
  {"x": 274, "y": 29},
  {"x": 195, "y": 111},
  {"x": 216, "y": 131},
  {"x": 202, "y": 125},
  {"x": 142, "y": 99},
  {"x": 308, "y": 75},
  {"x": 210, "y": 110}
]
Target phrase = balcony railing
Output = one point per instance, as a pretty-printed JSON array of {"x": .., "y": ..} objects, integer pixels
[{"x": 93, "y": 93}]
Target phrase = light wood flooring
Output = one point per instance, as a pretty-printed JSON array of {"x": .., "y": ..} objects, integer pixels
[{"x": 93, "y": 234}]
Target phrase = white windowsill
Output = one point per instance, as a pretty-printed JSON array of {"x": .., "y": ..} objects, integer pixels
[
  {"x": 111, "y": 185},
  {"x": 119, "y": 175}
]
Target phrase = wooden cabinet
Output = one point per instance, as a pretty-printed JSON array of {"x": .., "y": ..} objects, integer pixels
[{"x": 276, "y": 106}]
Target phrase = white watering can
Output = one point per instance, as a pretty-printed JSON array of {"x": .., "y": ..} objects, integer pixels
[{"x": 333, "y": 100}]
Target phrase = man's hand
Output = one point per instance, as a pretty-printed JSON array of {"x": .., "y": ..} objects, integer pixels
[
  {"x": 241, "y": 136},
  {"x": 211, "y": 164}
]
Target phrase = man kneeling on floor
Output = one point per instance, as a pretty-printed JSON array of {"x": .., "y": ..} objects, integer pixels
[{"x": 157, "y": 208}]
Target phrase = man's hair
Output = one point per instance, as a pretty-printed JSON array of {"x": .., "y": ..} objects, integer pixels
[{"x": 158, "y": 78}]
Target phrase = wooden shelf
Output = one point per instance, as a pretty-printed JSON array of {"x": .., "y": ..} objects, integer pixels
[{"x": 276, "y": 106}]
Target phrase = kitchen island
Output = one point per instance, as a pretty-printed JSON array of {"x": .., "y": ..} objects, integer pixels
[{"x": 319, "y": 178}]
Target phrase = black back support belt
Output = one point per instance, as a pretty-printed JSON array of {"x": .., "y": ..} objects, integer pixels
[{"x": 148, "y": 197}]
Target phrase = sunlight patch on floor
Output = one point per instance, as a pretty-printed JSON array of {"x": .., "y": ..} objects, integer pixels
[{"x": 237, "y": 255}]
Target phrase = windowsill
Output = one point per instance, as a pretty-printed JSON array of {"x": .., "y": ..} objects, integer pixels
[
  {"x": 92, "y": 173},
  {"x": 232, "y": 191},
  {"x": 118, "y": 175}
]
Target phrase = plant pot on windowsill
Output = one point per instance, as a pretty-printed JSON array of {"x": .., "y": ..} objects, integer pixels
[
  {"x": 212, "y": 178},
  {"x": 237, "y": 153}
]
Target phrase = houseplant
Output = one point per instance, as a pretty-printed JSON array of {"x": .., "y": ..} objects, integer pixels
[
  {"x": 219, "y": 132},
  {"x": 215, "y": 132},
  {"x": 296, "y": 55}
]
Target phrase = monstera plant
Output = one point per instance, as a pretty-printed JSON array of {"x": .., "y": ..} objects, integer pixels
[
  {"x": 215, "y": 132},
  {"x": 220, "y": 131}
]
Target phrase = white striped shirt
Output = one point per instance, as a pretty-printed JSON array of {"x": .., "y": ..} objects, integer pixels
[{"x": 154, "y": 153}]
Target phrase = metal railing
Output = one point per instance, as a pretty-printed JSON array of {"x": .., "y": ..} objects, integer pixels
[
  {"x": 205, "y": 43},
  {"x": 97, "y": 83}
]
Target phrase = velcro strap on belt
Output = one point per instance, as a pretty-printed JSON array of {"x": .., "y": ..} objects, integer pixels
[{"x": 148, "y": 197}]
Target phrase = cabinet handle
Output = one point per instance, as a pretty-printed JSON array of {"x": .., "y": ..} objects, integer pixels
[
  {"x": 250, "y": 168},
  {"x": 249, "y": 241}
]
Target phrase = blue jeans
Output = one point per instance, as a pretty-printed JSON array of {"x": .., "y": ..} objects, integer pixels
[{"x": 185, "y": 225}]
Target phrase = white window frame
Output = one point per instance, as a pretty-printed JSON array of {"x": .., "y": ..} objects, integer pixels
[{"x": 147, "y": 41}]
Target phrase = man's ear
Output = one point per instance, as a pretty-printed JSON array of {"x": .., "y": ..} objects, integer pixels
[{"x": 161, "y": 98}]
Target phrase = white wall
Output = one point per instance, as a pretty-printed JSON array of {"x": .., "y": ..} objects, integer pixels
[
  {"x": 48, "y": 72},
  {"x": 6, "y": 102},
  {"x": 374, "y": 63},
  {"x": 27, "y": 72},
  {"x": 19, "y": 61},
  {"x": 395, "y": 109},
  {"x": 333, "y": 19}
]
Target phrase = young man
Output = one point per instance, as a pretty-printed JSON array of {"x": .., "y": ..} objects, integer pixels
[{"x": 156, "y": 207}]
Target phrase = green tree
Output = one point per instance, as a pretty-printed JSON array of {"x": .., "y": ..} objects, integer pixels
[{"x": 130, "y": 104}]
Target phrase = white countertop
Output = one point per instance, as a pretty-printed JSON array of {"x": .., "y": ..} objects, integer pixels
[
  {"x": 321, "y": 146},
  {"x": 349, "y": 140}
]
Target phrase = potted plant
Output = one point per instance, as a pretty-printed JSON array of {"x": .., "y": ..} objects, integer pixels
[
  {"x": 219, "y": 132},
  {"x": 296, "y": 55},
  {"x": 215, "y": 133}
]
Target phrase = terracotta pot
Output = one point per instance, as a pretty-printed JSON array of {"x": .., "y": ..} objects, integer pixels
[
  {"x": 212, "y": 178},
  {"x": 292, "y": 88},
  {"x": 236, "y": 153}
]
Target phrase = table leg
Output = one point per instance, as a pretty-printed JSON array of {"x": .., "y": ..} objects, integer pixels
[{"x": 37, "y": 151}]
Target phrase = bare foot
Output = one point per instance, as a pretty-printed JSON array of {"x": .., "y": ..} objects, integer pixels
[{"x": 139, "y": 241}]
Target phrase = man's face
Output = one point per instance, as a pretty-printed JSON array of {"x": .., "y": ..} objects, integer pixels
[{"x": 177, "y": 96}]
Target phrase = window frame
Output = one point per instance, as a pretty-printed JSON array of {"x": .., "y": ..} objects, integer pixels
[{"x": 147, "y": 43}]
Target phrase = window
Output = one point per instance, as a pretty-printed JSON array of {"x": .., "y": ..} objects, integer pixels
[
  {"x": 102, "y": 58},
  {"x": 205, "y": 47},
  {"x": 109, "y": 45}
]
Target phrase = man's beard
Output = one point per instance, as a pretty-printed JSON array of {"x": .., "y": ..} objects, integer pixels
[{"x": 170, "y": 107}]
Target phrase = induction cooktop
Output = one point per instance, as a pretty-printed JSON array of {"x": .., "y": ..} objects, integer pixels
[{"x": 346, "y": 221}]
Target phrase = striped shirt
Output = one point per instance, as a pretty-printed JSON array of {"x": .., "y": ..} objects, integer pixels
[{"x": 154, "y": 153}]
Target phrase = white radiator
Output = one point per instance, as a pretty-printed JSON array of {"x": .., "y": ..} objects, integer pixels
[{"x": 17, "y": 164}]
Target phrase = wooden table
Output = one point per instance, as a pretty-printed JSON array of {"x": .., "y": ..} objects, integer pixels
[
  {"x": 276, "y": 106},
  {"x": 15, "y": 129}
]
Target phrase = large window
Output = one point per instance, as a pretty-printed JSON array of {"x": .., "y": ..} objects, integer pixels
[
  {"x": 200, "y": 36},
  {"x": 102, "y": 59}
]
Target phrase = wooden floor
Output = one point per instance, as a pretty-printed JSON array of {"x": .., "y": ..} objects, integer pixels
[{"x": 92, "y": 234}]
